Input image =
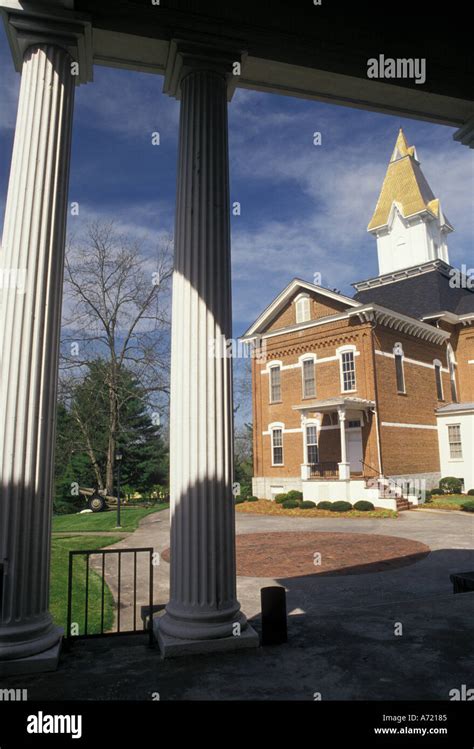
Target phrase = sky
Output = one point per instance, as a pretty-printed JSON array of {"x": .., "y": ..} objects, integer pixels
[{"x": 304, "y": 208}]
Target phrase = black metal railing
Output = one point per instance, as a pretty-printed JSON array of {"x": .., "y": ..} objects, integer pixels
[
  {"x": 327, "y": 469},
  {"x": 116, "y": 577}
]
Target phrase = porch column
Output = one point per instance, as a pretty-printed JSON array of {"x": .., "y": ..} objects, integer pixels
[
  {"x": 305, "y": 467},
  {"x": 31, "y": 276},
  {"x": 344, "y": 467},
  {"x": 203, "y": 612}
]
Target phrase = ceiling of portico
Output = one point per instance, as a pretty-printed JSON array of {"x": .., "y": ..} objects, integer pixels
[{"x": 300, "y": 49}]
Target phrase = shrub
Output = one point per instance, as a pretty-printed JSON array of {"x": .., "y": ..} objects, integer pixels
[
  {"x": 239, "y": 500},
  {"x": 363, "y": 506},
  {"x": 251, "y": 499},
  {"x": 437, "y": 492},
  {"x": 324, "y": 505},
  {"x": 451, "y": 485},
  {"x": 471, "y": 492},
  {"x": 293, "y": 494},
  {"x": 279, "y": 498},
  {"x": 468, "y": 506},
  {"x": 290, "y": 504},
  {"x": 340, "y": 506},
  {"x": 307, "y": 504}
]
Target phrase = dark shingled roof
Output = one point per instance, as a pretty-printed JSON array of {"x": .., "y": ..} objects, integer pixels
[{"x": 425, "y": 294}]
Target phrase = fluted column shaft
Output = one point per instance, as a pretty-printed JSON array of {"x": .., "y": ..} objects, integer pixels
[
  {"x": 31, "y": 262},
  {"x": 203, "y": 597}
]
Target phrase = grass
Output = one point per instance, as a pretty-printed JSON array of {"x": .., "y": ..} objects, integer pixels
[
  {"x": 59, "y": 584},
  {"x": 447, "y": 502},
  {"x": 267, "y": 507},
  {"x": 105, "y": 521}
]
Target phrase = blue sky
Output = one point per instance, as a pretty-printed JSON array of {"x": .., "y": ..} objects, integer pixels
[{"x": 305, "y": 208}]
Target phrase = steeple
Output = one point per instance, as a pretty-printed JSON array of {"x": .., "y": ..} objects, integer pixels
[{"x": 408, "y": 221}]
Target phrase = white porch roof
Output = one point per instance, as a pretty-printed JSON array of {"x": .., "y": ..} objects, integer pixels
[{"x": 332, "y": 404}]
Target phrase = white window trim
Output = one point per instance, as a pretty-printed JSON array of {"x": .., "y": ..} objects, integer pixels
[
  {"x": 437, "y": 363},
  {"x": 310, "y": 423},
  {"x": 458, "y": 459},
  {"x": 339, "y": 352},
  {"x": 452, "y": 366},
  {"x": 270, "y": 366},
  {"x": 306, "y": 307},
  {"x": 301, "y": 360},
  {"x": 271, "y": 427},
  {"x": 398, "y": 351}
]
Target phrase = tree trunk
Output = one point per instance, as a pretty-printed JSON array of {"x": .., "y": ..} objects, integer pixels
[{"x": 91, "y": 454}]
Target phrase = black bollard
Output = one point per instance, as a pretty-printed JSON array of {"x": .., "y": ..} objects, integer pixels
[{"x": 274, "y": 626}]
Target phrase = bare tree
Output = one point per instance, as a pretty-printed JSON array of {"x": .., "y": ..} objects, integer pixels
[{"x": 116, "y": 309}]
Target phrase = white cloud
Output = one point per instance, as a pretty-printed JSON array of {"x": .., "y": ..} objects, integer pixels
[{"x": 127, "y": 104}]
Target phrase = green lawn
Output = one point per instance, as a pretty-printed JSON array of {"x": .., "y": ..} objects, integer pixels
[
  {"x": 448, "y": 501},
  {"x": 105, "y": 521},
  {"x": 59, "y": 584}
]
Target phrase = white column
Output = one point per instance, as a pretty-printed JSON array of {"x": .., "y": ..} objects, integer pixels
[
  {"x": 305, "y": 467},
  {"x": 344, "y": 467},
  {"x": 203, "y": 611},
  {"x": 31, "y": 267}
]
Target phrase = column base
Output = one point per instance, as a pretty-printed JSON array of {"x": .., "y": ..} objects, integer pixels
[
  {"x": 41, "y": 662},
  {"x": 173, "y": 647},
  {"x": 344, "y": 471}
]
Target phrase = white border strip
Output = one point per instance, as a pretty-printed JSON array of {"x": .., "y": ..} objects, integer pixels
[
  {"x": 407, "y": 360},
  {"x": 407, "y": 426}
]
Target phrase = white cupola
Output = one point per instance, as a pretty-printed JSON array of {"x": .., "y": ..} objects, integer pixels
[{"x": 408, "y": 222}]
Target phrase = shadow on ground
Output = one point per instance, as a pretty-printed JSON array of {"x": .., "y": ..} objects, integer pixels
[{"x": 342, "y": 651}]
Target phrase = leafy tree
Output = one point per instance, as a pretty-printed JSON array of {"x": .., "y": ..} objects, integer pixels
[{"x": 243, "y": 458}]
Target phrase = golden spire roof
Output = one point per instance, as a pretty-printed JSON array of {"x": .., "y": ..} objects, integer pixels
[{"x": 405, "y": 185}]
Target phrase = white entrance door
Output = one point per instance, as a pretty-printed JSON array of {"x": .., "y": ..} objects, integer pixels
[{"x": 354, "y": 448}]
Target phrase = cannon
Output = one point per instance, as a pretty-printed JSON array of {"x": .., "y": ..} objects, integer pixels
[{"x": 97, "y": 499}]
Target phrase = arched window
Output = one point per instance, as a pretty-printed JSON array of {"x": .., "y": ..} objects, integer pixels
[
  {"x": 346, "y": 356},
  {"x": 452, "y": 372},
  {"x": 438, "y": 380},
  {"x": 399, "y": 368},
  {"x": 276, "y": 432},
  {"x": 303, "y": 311}
]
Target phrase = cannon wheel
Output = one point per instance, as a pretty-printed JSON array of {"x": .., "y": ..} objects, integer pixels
[{"x": 97, "y": 503}]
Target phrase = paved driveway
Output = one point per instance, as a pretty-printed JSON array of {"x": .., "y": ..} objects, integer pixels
[
  {"x": 450, "y": 537},
  {"x": 342, "y": 630}
]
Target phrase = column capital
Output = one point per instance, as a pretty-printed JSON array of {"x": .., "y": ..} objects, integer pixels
[
  {"x": 341, "y": 413},
  {"x": 27, "y": 27},
  {"x": 465, "y": 134},
  {"x": 184, "y": 56}
]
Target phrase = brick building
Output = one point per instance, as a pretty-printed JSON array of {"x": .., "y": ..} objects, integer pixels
[{"x": 353, "y": 396}]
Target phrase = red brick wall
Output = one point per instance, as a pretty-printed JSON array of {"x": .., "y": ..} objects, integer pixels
[
  {"x": 323, "y": 341},
  {"x": 320, "y": 306}
]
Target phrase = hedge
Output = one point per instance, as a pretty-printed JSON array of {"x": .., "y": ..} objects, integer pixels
[
  {"x": 363, "y": 506},
  {"x": 340, "y": 506},
  {"x": 290, "y": 504}
]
